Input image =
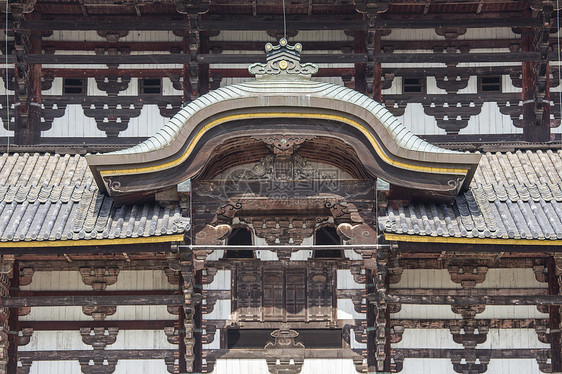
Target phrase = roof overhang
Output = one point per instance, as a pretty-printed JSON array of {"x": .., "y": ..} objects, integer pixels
[{"x": 298, "y": 107}]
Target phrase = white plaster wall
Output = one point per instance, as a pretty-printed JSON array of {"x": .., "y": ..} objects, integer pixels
[
  {"x": 238, "y": 366},
  {"x": 425, "y": 366},
  {"x": 328, "y": 366},
  {"x": 513, "y": 366},
  {"x": 511, "y": 278},
  {"x": 140, "y": 366},
  {"x": 512, "y": 339},
  {"x": 55, "y": 340},
  {"x": 141, "y": 339},
  {"x": 221, "y": 281},
  {"x": 220, "y": 311},
  {"x": 345, "y": 280},
  {"x": 58, "y": 367},
  {"x": 124, "y": 312},
  {"x": 427, "y": 338},
  {"x": 411, "y": 311},
  {"x": 425, "y": 278},
  {"x": 511, "y": 311},
  {"x": 127, "y": 280},
  {"x": 74, "y": 124},
  {"x": 147, "y": 123},
  {"x": 347, "y": 311}
]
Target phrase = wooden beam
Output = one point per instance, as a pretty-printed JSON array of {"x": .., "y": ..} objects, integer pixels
[
  {"x": 109, "y": 354},
  {"x": 72, "y": 300},
  {"x": 88, "y": 249},
  {"x": 400, "y": 292},
  {"x": 77, "y": 325},
  {"x": 452, "y": 353},
  {"x": 494, "y": 323},
  {"x": 472, "y": 299},
  {"x": 229, "y": 23},
  {"x": 413, "y": 58}
]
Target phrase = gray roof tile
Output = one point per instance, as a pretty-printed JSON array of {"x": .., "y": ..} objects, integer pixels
[
  {"x": 53, "y": 197},
  {"x": 514, "y": 195}
]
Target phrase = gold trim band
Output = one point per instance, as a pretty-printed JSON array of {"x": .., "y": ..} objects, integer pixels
[
  {"x": 454, "y": 240},
  {"x": 92, "y": 242},
  {"x": 235, "y": 117}
]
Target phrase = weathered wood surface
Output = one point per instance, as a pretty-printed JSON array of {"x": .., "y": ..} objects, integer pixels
[
  {"x": 249, "y": 58},
  {"x": 35, "y": 301},
  {"x": 77, "y": 325},
  {"x": 520, "y": 353},
  {"x": 472, "y": 299},
  {"x": 111, "y": 354}
]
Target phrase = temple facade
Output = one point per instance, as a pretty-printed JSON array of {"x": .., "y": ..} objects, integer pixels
[{"x": 326, "y": 187}]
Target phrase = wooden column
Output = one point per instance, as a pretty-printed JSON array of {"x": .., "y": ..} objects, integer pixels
[
  {"x": 6, "y": 273},
  {"x": 13, "y": 323},
  {"x": 554, "y": 288},
  {"x": 27, "y": 82}
]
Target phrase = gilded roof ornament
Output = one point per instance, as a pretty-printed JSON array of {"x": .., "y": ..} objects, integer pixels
[{"x": 283, "y": 59}]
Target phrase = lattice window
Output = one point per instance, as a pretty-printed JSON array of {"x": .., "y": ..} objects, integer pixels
[{"x": 74, "y": 86}]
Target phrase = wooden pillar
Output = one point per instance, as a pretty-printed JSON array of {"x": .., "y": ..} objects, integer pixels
[
  {"x": 359, "y": 47},
  {"x": 6, "y": 273},
  {"x": 27, "y": 85},
  {"x": 13, "y": 323},
  {"x": 554, "y": 288}
]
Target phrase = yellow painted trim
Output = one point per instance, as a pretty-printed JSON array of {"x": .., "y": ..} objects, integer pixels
[
  {"x": 454, "y": 240},
  {"x": 235, "y": 117},
  {"x": 92, "y": 242}
]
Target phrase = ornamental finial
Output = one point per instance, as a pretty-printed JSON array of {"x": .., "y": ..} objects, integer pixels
[{"x": 283, "y": 59}]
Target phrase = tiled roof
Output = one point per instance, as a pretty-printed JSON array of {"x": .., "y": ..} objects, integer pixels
[
  {"x": 294, "y": 87},
  {"x": 512, "y": 196},
  {"x": 53, "y": 197}
]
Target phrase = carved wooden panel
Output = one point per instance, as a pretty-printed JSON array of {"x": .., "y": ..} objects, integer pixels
[
  {"x": 295, "y": 294},
  {"x": 248, "y": 295},
  {"x": 320, "y": 293},
  {"x": 273, "y": 299},
  {"x": 284, "y": 294}
]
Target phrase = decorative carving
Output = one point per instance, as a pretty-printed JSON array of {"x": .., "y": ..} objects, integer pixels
[
  {"x": 98, "y": 365},
  {"x": 113, "y": 84},
  {"x": 6, "y": 272},
  {"x": 541, "y": 273},
  {"x": 468, "y": 311},
  {"x": 450, "y": 33},
  {"x": 209, "y": 335},
  {"x": 99, "y": 277},
  {"x": 172, "y": 334},
  {"x": 192, "y": 7},
  {"x": 281, "y": 144},
  {"x": 467, "y": 336},
  {"x": 99, "y": 337},
  {"x": 371, "y": 7},
  {"x": 172, "y": 364},
  {"x": 24, "y": 336},
  {"x": 467, "y": 275},
  {"x": 284, "y": 355},
  {"x": 212, "y": 235},
  {"x": 452, "y": 83},
  {"x": 172, "y": 276},
  {"x": 283, "y": 231},
  {"x": 357, "y": 234},
  {"x": 99, "y": 312},
  {"x": 26, "y": 276},
  {"x": 113, "y": 35},
  {"x": 283, "y": 59},
  {"x": 25, "y": 367}
]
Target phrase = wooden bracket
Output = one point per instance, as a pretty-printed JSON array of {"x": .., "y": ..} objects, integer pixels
[{"x": 99, "y": 277}]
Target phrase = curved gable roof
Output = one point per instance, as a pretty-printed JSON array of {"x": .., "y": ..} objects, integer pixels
[{"x": 297, "y": 105}]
